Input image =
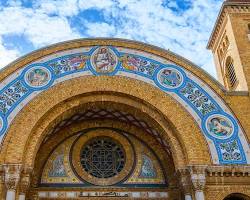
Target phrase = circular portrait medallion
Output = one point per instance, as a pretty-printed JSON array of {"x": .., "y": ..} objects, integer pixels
[
  {"x": 169, "y": 78},
  {"x": 37, "y": 77},
  {"x": 104, "y": 60},
  {"x": 102, "y": 157},
  {"x": 219, "y": 126}
]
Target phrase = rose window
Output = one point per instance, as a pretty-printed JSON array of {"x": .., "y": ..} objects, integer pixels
[{"x": 102, "y": 157}]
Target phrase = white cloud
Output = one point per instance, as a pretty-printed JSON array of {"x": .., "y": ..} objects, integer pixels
[
  {"x": 185, "y": 33},
  {"x": 38, "y": 27},
  {"x": 58, "y": 7},
  {"x": 7, "y": 55},
  {"x": 98, "y": 4},
  {"x": 99, "y": 29}
]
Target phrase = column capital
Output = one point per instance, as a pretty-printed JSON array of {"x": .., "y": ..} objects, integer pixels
[
  {"x": 12, "y": 174},
  {"x": 25, "y": 180},
  {"x": 185, "y": 182},
  {"x": 198, "y": 176},
  {"x": 1, "y": 174}
]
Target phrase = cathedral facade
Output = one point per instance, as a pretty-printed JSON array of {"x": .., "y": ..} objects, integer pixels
[{"x": 118, "y": 119}]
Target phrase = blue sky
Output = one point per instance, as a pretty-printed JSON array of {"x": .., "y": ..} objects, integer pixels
[{"x": 182, "y": 26}]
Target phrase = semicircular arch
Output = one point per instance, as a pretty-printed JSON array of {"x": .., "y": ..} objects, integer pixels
[
  {"x": 173, "y": 75},
  {"x": 38, "y": 118}
]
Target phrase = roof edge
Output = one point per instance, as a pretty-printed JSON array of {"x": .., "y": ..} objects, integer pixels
[{"x": 219, "y": 17}]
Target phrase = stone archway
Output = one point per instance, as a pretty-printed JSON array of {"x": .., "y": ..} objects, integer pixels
[{"x": 163, "y": 91}]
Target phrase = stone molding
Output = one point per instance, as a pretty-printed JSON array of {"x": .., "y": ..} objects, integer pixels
[
  {"x": 226, "y": 8},
  {"x": 229, "y": 170}
]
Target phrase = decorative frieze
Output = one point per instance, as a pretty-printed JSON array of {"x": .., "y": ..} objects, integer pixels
[
  {"x": 229, "y": 170},
  {"x": 76, "y": 194}
]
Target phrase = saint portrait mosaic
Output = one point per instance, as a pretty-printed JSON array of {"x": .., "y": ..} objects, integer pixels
[
  {"x": 37, "y": 76},
  {"x": 170, "y": 78},
  {"x": 104, "y": 60},
  {"x": 219, "y": 126}
]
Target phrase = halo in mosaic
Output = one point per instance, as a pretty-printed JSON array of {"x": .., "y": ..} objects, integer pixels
[
  {"x": 104, "y": 60},
  {"x": 37, "y": 77},
  {"x": 219, "y": 127},
  {"x": 170, "y": 78}
]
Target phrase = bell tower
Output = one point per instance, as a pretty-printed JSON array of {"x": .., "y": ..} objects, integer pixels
[{"x": 230, "y": 45}]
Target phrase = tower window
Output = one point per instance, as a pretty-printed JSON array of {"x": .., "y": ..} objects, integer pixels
[{"x": 230, "y": 73}]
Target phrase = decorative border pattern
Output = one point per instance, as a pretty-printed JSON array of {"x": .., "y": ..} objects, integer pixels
[{"x": 200, "y": 101}]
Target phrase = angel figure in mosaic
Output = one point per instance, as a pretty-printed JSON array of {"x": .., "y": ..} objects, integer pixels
[
  {"x": 220, "y": 127},
  {"x": 77, "y": 62},
  {"x": 130, "y": 62}
]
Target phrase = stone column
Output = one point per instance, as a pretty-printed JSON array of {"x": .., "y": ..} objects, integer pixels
[
  {"x": 2, "y": 186},
  {"x": 185, "y": 182},
  {"x": 24, "y": 183},
  {"x": 12, "y": 177},
  {"x": 198, "y": 178}
]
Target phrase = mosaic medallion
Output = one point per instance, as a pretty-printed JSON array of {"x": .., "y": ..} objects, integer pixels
[
  {"x": 219, "y": 126},
  {"x": 104, "y": 60},
  {"x": 169, "y": 78},
  {"x": 37, "y": 77}
]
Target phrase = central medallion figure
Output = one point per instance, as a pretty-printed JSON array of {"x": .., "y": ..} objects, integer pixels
[
  {"x": 104, "y": 60},
  {"x": 103, "y": 157}
]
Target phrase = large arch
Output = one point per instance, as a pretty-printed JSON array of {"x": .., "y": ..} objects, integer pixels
[
  {"x": 133, "y": 64},
  {"x": 38, "y": 119}
]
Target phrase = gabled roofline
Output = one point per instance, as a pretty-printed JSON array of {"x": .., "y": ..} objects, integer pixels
[{"x": 220, "y": 17}]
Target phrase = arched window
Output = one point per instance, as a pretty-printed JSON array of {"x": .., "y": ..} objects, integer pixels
[
  {"x": 237, "y": 196},
  {"x": 248, "y": 28},
  {"x": 230, "y": 73}
]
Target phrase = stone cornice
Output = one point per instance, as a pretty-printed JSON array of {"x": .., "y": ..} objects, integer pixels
[
  {"x": 228, "y": 6},
  {"x": 229, "y": 170}
]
